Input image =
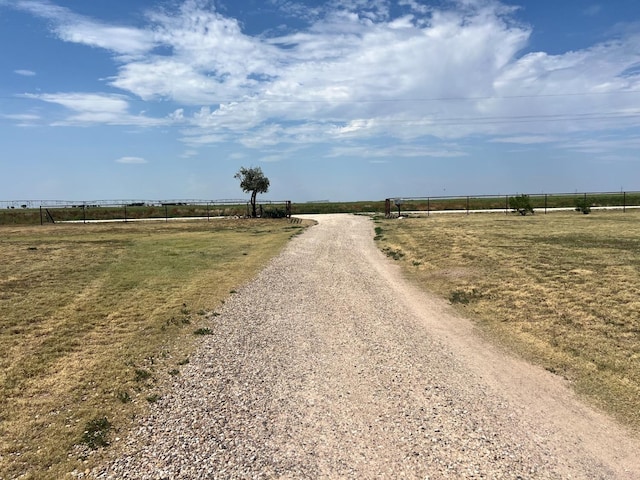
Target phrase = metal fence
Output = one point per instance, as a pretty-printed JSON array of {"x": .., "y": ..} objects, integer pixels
[
  {"x": 52, "y": 211},
  {"x": 541, "y": 202}
]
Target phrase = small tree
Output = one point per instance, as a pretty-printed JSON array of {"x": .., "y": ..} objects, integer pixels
[
  {"x": 252, "y": 180},
  {"x": 583, "y": 205},
  {"x": 521, "y": 204}
]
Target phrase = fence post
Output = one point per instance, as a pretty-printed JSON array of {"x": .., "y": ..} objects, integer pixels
[
  {"x": 84, "y": 213},
  {"x": 207, "y": 211},
  {"x": 506, "y": 204},
  {"x": 624, "y": 202},
  {"x": 41, "y": 222},
  {"x": 125, "y": 213},
  {"x": 467, "y": 205},
  {"x": 428, "y": 206},
  {"x": 166, "y": 213},
  {"x": 545, "y": 203}
]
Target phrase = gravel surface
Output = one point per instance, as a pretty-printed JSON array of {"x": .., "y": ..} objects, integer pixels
[{"x": 329, "y": 365}]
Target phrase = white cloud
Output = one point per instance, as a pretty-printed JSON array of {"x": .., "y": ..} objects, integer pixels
[
  {"x": 95, "y": 108},
  {"x": 398, "y": 151},
  {"x": 131, "y": 160},
  {"x": 189, "y": 153},
  {"x": 25, "y": 73},
  {"x": 271, "y": 158},
  {"x": 527, "y": 139},
  {"x": 26, "y": 117},
  {"x": 23, "y": 119},
  {"x": 355, "y": 72},
  {"x": 87, "y": 102},
  {"x": 76, "y": 28}
]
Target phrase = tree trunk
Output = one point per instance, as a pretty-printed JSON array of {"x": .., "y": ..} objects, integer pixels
[{"x": 253, "y": 204}]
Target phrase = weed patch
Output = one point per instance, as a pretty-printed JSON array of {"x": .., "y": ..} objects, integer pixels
[
  {"x": 96, "y": 433},
  {"x": 464, "y": 297},
  {"x": 393, "y": 253},
  {"x": 203, "y": 331},
  {"x": 141, "y": 375}
]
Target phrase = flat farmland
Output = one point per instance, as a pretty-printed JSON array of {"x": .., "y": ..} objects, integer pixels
[
  {"x": 94, "y": 317},
  {"x": 562, "y": 290}
]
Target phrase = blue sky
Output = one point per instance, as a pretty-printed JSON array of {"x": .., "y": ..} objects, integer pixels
[{"x": 337, "y": 100}]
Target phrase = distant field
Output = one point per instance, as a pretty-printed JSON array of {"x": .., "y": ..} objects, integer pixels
[
  {"x": 93, "y": 317},
  {"x": 78, "y": 213},
  {"x": 561, "y": 289}
]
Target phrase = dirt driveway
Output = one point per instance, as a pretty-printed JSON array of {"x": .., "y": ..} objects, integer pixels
[{"x": 329, "y": 365}]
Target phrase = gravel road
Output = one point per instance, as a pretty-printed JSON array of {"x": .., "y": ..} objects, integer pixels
[{"x": 330, "y": 365}]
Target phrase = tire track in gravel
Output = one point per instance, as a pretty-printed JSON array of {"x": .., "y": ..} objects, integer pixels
[{"x": 329, "y": 365}]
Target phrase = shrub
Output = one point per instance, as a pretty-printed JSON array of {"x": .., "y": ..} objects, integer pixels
[
  {"x": 583, "y": 205},
  {"x": 274, "y": 213},
  {"x": 521, "y": 204}
]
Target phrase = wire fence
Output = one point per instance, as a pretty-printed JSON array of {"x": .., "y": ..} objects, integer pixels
[
  {"x": 540, "y": 202},
  {"x": 54, "y": 211},
  {"x": 47, "y": 211}
]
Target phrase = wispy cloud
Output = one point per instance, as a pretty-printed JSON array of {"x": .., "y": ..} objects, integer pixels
[
  {"x": 131, "y": 160},
  {"x": 71, "y": 27},
  {"x": 398, "y": 151},
  {"x": 25, "y": 73},
  {"x": 22, "y": 116},
  {"x": 23, "y": 119},
  {"x": 95, "y": 108},
  {"x": 592, "y": 10},
  {"x": 526, "y": 139}
]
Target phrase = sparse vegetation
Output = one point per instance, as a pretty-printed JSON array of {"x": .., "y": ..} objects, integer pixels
[
  {"x": 396, "y": 254},
  {"x": 464, "y": 297},
  {"x": 93, "y": 316},
  {"x": 203, "y": 331},
  {"x": 141, "y": 375},
  {"x": 561, "y": 290},
  {"x": 96, "y": 433}
]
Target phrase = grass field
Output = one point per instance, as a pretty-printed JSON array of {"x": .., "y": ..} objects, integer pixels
[
  {"x": 80, "y": 212},
  {"x": 93, "y": 317},
  {"x": 561, "y": 289}
]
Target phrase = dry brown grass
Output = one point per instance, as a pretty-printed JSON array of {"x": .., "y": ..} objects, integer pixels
[
  {"x": 562, "y": 289},
  {"x": 93, "y": 317}
]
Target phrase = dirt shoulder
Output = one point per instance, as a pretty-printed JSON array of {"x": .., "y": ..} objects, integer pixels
[{"x": 331, "y": 365}]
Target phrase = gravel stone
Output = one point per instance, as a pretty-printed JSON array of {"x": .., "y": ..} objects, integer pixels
[{"x": 330, "y": 365}]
